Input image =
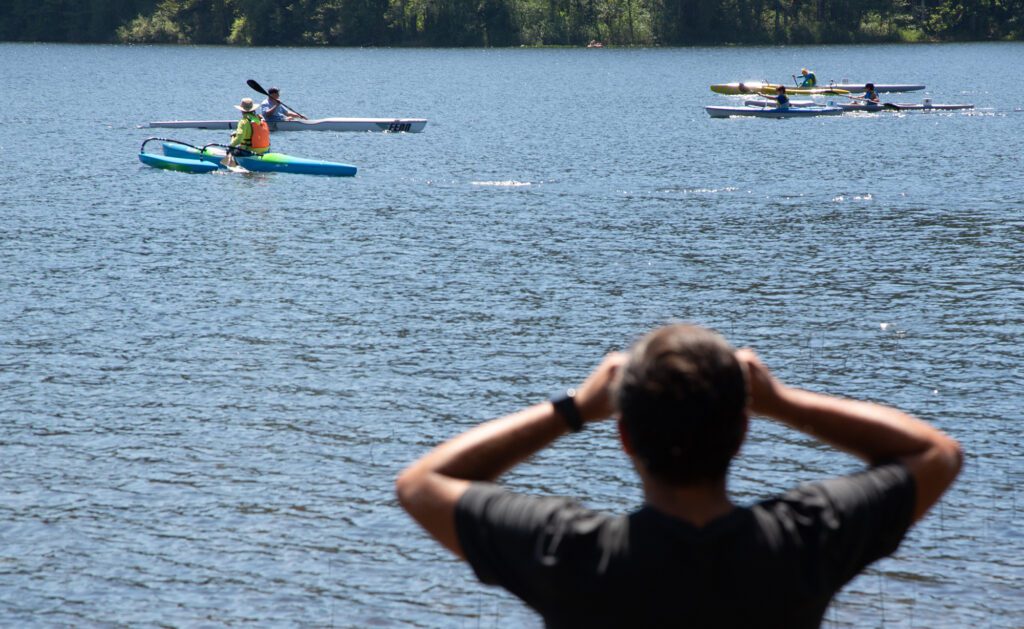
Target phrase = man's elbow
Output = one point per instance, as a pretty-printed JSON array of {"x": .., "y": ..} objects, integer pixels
[
  {"x": 406, "y": 488},
  {"x": 942, "y": 462},
  {"x": 952, "y": 455}
]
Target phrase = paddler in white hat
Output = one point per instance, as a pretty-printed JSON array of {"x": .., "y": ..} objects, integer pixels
[{"x": 252, "y": 133}]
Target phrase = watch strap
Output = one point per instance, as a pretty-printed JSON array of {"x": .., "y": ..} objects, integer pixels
[{"x": 565, "y": 406}]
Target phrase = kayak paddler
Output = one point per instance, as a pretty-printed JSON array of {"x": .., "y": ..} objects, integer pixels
[
  {"x": 807, "y": 78},
  {"x": 252, "y": 133},
  {"x": 870, "y": 94},
  {"x": 780, "y": 97},
  {"x": 273, "y": 110}
]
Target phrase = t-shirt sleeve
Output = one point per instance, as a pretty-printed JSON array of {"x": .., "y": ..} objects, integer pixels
[
  {"x": 860, "y": 518},
  {"x": 519, "y": 542}
]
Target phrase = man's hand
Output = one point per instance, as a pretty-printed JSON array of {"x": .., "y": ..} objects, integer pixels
[
  {"x": 765, "y": 390},
  {"x": 593, "y": 397}
]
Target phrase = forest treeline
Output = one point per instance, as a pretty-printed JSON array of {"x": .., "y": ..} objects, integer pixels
[{"x": 508, "y": 22}]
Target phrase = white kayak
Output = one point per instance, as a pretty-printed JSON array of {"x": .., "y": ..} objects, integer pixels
[
  {"x": 926, "y": 106},
  {"x": 392, "y": 125},
  {"x": 770, "y": 103},
  {"x": 879, "y": 87},
  {"x": 771, "y": 112}
]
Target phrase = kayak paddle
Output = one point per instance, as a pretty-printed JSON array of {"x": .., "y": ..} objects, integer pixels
[
  {"x": 259, "y": 88},
  {"x": 882, "y": 105}
]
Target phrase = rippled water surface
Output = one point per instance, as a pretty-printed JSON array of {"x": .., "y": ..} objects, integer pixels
[{"x": 209, "y": 382}]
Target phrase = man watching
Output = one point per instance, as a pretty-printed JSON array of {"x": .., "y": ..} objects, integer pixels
[{"x": 682, "y": 399}]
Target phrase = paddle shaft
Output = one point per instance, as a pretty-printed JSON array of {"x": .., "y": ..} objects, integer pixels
[
  {"x": 259, "y": 88},
  {"x": 864, "y": 100}
]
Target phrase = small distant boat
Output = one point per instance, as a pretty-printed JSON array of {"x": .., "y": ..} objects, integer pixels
[
  {"x": 716, "y": 111},
  {"x": 925, "y": 106},
  {"x": 386, "y": 125},
  {"x": 762, "y": 87},
  {"x": 183, "y": 157},
  {"x": 879, "y": 87}
]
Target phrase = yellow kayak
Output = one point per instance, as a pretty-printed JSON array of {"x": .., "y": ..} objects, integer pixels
[{"x": 760, "y": 87}]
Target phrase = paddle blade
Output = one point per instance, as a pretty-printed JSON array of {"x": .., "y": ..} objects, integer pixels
[
  {"x": 891, "y": 106},
  {"x": 256, "y": 86}
]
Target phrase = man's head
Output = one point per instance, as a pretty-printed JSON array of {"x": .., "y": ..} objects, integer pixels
[
  {"x": 274, "y": 93},
  {"x": 870, "y": 86},
  {"x": 682, "y": 401},
  {"x": 804, "y": 71}
]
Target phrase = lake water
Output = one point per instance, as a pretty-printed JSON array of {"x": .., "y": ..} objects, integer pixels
[{"x": 209, "y": 382}]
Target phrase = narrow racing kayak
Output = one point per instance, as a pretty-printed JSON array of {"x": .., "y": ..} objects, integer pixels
[
  {"x": 387, "y": 125},
  {"x": 184, "y": 157},
  {"x": 760, "y": 87},
  {"x": 879, "y": 87},
  {"x": 773, "y": 112},
  {"x": 926, "y": 106}
]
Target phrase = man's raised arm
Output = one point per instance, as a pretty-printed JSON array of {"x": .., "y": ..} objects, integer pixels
[
  {"x": 872, "y": 432},
  {"x": 430, "y": 488}
]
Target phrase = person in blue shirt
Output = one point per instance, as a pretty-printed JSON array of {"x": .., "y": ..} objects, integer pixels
[
  {"x": 780, "y": 97},
  {"x": 273, "y": 110},
  {"x": 870, "y": 95},
  {"x": 807, "y": 78}
]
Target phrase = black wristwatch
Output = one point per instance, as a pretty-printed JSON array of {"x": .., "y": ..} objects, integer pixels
[{"x": 565, "y": 405}]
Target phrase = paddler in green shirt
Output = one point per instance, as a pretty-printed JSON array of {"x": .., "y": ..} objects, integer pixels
[
  {"x": 807, "y": 78},
  {"x": 252, "y": 133}
]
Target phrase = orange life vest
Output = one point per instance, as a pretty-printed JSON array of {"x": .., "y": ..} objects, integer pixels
[{"x": 260, "y": 138}]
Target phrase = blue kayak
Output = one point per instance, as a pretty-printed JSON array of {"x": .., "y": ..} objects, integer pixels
[{"x": 187, "y": 158}]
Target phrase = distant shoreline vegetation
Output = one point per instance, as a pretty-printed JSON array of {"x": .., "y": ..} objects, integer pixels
[{"x": 504, "y": 23}]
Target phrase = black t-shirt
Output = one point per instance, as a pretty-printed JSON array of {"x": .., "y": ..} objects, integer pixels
[{"x": 775, "y": 564}]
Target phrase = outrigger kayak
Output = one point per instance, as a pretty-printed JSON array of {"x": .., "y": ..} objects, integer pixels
[
  {"x": 772, "y": 112},
  {"x": 183, "y": 157},
  {"x": 760, "y": 87},
  {"x": 387, "y": 125}
]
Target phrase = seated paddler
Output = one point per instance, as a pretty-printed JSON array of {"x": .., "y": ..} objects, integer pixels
[
  {"x": 807, "y": 78},
  {"x": 273, "y": 110},
  {"x": 779, "y": 97},
  {"x": 871, "y": 94},
  {"x": 252, "y": 133}
]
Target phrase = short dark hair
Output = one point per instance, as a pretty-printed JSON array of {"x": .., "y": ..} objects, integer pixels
[{"x": 682, "y": 399}]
